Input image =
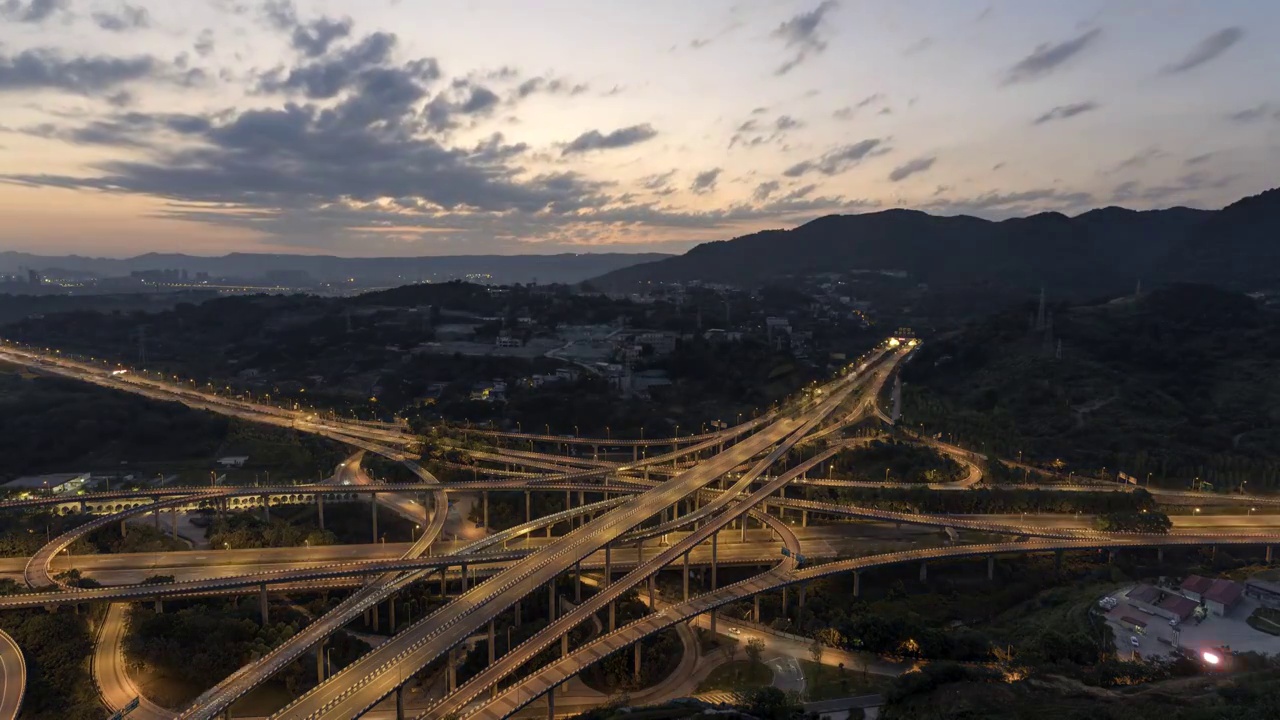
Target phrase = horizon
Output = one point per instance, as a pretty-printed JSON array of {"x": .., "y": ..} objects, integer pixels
[
  {"x": 609, "y": 249},
  {"x": 356, "y": 131}
]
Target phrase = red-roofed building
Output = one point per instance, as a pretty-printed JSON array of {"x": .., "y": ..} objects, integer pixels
[
  {"x": 1195, "y": 587},
  {"x": 1223, "y": 595},
  {"x": 1179, "y": 606}
]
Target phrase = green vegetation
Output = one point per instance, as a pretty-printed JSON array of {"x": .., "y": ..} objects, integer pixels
[
  {"x": 1153, "y": 523},
  {"x": 893, "y": 460},
  {"x": 737, "y": 676},
  {"x": 191, "y": 646},
  {"x": 295, "y": 525},
  {"x": 56, "y": 647},
  {"x": 1178, "y": 384},
  {"x": 22, "y": 534},
  {"x": 946, "y": 691},
  {"x": 988, "y": 500},
  {"x": 1265, "y": 619},
  {"x": 826, "y": 682},
  {"x": 660, "y": 655}
]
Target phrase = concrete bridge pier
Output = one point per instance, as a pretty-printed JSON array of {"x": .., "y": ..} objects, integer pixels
[
  {"x": 451, "y": 679},
  {"x": 391, "y": 615},
  {"x": 262, "y": 603},
  {"x": 124, "y": 529},
  {"x": 485, "y": 517},
  {"x": 463, "y": 568},
  {"x": 551, "y": 704},
  {"x": 320, "y": 660},
  {"x": 266, "y": 510},
  {"x": 444, "y": 587},
  {"x": 577, "y": 582},
  {"x": 377, "y": 620},
  {"x": 493, "y": 691},
  {"x": 637, "y": 661},
  {"x": 173, "y": 517},
  {"x": 924, "y": 571},
  {"x": 320, "y": 509},
  {"x": 373, "y": 514},
  {"x": 755, "y": 609},
  {"x": 159, "y": 605},
  {"x": 857, "y": 583},
  {"x": 400, "y": 702},
  {"x": 686, "y": 577},
  {"x": 991, "y": 568},
  {"x": 1268, "y": 554}
]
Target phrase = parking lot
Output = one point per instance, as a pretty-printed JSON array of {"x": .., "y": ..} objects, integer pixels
[{"x": 1159, "y": 637}]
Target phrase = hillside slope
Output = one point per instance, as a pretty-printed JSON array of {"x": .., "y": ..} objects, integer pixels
[{"x": 1099, "y": 252}]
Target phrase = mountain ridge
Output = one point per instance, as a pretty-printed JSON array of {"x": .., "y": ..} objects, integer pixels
[{"x": 1098, "y": 251}]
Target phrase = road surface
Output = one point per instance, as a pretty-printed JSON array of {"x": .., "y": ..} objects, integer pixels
[{"x": 13, "y": 677}]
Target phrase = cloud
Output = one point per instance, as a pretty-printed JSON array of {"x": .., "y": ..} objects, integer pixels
[
  {"x": 1198, "y": 159},
  {"x": 1252, "y": 114},
  {"x": 1180, "y": 187},
  {"x": 1011, "y": 204},
  {"x": 128, "y": 17},
  {"x": 1062, "y": 112},
  {"x": 847, "y": 113},
  {"x": 550, "y": 86},
  {"x": 1046, "y": 58},
  {"x": 620, "y": 138},
  {"x": 1139, "y": 159},
  {"x": 911, "y": 167},
  {"x": 44, "y": 68},
  {"x": 314, "y": 38},
  {"x": 1206, "y": 50},
  {"x": 34, "y": 11},
  {"x": 754, "y": 133},
  {"x": 335, "y": 73},
  {"x": 803, "y": 34},
  {"x": 840, "y": 159},
  {"x": 918, "y": 46},
  {"x": 705, "y": 181},
  {"x": 659, "y": 183},
  {"x": 204, "y": 43},
  {"x": 764, "y": 190}
]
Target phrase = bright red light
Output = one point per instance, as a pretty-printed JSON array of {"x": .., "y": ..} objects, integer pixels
[{"x": 1211, "y": 658}]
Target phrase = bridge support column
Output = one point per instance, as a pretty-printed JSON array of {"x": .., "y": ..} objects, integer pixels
[
  {"x": 463, "y": 568},
  {"x": 577, "y": 582},
  {"x": 686, "y": 576},
  {"x": 742, "y": 523},
  {"x": 637, "y": 661},
  {"x": 159, "y": 606},
  {"x": 924, "y": 571},
  {"x": 714, "y": 537},
  {"x": 1160, "y": 555},
  {"x": 320, "y": 661},
  {"x": 800, "y": 606},
  {"x": 174, "y": 523},
  {"x": 635, "y": 453},
  {"x": 451, "y": 679},
  {"x": 320, "y": 510},
  {"x": 156, "y": 514},
  {"x": 652, "y": 606},
  {"x": 391, "y": 615},
  {"x": 784, "y": 601},
  {"x": 613, "y": 616},
  {"x": 373, "y": 514},
  {"x": 400, "y": 702},
  {"x": 804, "y": 518},
  {"x": 1268, "y": 554},
  {"x": 857, "y": 583},
  {"x": 755, "y": 608},
  {"x": 1213, "y": 553},
  {"x": 485, "y": 517},
  {"x": 491, "y": 642},
  {"x": 266, "y": 510},
  {"x": 608, "y": 564},
  {"x": 262, "y": 602},
  {"x": 528, "y": 507},
  {"x": 377, "y": 620},
  {"x": 991, "y": 568},
  {"x": 444, "y": 587},
  {"x": 124, "y": 529},
  {"x": 551, "y": 704}
]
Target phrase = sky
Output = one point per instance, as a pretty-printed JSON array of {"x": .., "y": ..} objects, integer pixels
[{"x": 447, "y": 127}]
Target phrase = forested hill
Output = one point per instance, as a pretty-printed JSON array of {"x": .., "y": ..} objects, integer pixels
[
  {"x": 1182, "y": 383},
  {"x": 1099, "y": 252}
]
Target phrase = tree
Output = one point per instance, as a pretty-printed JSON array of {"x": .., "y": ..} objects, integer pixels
[
  {"x": 815, "y": 652},
  {"x": 755, "y": 650},
  {"x": 1145, "y": 521}
]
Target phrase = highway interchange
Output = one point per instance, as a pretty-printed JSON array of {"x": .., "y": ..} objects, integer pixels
[{"x": 693, "y": 501}]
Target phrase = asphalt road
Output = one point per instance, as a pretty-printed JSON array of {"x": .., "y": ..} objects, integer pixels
[
  {"x": 13, "y": 677},
  {"x": 114, "y": 684}
]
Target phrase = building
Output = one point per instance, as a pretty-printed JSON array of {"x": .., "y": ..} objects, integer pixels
[
  {"x": 57, "y": 483},
  {"x": 507, "y": 341},
  {"x": 1178, "y": 606},
  {"x": 1195, "y": 587},
  {"x": 233, "y": 460},
  {"x": 1265, "y": 592},
  {"x": 1223, "y": 596}
]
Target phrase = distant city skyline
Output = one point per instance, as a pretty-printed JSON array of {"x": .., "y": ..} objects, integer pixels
[{"x": 393, "y": 127}]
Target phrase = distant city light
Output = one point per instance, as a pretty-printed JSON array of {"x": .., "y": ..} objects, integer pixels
[{"x": 1211, "y": 658}]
